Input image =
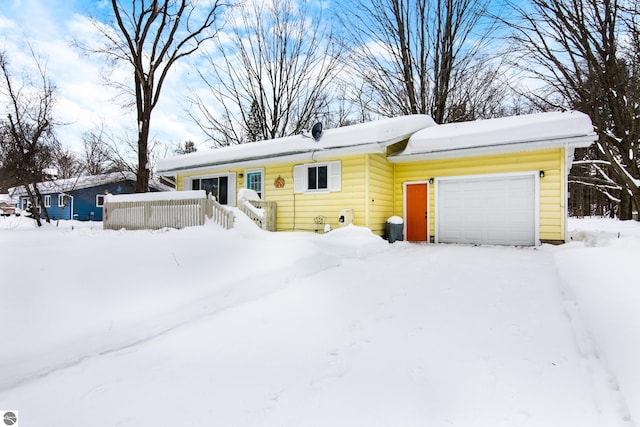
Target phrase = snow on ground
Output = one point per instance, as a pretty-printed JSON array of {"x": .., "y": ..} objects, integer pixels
[
  {"x": 599, "y": 269},
  {"x": 205, "y": 326}
]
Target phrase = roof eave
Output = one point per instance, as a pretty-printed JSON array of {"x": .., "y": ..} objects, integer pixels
[
  {"x": 287, "y": 157},
  {"x": 502, "y": 148}
]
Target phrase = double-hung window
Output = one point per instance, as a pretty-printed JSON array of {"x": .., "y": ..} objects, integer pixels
[{"x": 317, "y": 177}]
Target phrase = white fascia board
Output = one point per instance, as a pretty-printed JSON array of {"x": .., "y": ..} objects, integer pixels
[{"x": 487, "y": 150}]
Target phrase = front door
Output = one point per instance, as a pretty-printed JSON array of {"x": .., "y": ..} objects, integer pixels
[
  {"x": 417, "y": 218},
  {"x": 217, "y": 186}
]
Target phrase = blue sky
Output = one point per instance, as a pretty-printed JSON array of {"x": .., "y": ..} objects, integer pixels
[{"x": 83, "y": 100}]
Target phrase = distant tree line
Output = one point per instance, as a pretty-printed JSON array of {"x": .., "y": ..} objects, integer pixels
[{"x": 274, "y": 69}]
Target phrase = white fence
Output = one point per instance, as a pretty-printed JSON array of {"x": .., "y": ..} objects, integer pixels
[
  {"x": 260, "y": 212},
  {"x": 154, "y": 214}
]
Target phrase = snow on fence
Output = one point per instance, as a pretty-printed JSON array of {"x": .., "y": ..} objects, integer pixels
[
  {"x": 150, "y": 211},
  {"x": 261, "y": 212}
]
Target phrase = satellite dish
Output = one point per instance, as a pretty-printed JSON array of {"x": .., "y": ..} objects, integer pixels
[{"x": 316, "y": 131}]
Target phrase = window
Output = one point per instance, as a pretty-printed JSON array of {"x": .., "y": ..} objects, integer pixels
[
  {"x": 47, "y": 201},
  {"x": 255, "y": 181},
  {"x": 317, "y": 177},
  {"x": 63, "y": 199},
  {"x": 216, "y": 186},
  {"x": 99, "y": 200}
]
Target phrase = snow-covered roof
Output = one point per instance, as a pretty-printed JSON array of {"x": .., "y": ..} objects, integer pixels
[
  {"x": 80, "y": 182},
  {"x": 7, "y": 200},
  {"x": 501, "y": 135},
  {"x": 371, "y": 137}
]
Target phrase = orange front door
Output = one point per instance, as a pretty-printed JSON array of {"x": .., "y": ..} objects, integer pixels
[{"x": 417, "y": 218}]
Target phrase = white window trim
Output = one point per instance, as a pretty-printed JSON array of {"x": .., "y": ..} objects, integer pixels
[
  {"x": 47, "y": 201},
  {"x": 301, "y": 177},
  {"x": 61, "y": 200},
  {"x": 98, "y": 198}
]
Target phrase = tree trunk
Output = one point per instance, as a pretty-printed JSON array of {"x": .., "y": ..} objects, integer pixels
[
  {"x": 43, "y": 208},
  {"x": 33, "y": 208},
  {"x": 142, "y": 176},
  {"x": 625, "y": 205}
]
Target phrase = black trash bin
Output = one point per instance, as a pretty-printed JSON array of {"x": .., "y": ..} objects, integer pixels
[{"x": 395, "y": 229}]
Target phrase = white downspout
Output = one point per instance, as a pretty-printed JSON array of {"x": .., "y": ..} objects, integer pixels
[{"x": 567, "y": 168}]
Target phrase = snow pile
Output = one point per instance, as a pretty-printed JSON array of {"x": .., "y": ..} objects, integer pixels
[
  {"x": 599, "y": 272},
  {"x": 395, "y": 220},
  {"x": 246, "y": 195},
  {"x": 251, "y": 328}
]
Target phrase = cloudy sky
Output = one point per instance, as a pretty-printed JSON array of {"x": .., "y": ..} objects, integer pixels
[{"x": 83, "y": 100}]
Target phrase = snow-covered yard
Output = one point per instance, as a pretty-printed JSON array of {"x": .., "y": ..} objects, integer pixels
[{"x": 247, "y": 328}]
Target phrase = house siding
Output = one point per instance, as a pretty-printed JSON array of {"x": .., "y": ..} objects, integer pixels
[
  {"x": 84, "y": 201},
  {"x": 379, "y": 197},
  {"x": 552, "y": 187},
  {"x": 297, "y": 212}
]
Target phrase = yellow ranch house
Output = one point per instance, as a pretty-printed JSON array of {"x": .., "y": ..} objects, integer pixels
[{"x": 499, "y": 181}]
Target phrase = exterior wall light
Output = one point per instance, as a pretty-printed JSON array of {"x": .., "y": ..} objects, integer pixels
[
  {"x": 541, "y": 174},
  {"x": 430, "y": 180}
]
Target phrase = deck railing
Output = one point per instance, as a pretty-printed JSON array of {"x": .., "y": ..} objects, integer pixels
[
  {"x": 266, "y": 219},
  {"x": 155, "y": 214}
]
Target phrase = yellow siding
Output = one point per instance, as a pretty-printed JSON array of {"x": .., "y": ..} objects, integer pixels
[
  {"x": 296, "y": 212},
  {"x": 380, "y": 192},
  {"x": 552, "y": 187},
  {"x": 373, "y": 188}
]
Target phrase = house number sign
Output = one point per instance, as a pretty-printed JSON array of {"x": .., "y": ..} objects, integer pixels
[{"x": 278, "y": 182}]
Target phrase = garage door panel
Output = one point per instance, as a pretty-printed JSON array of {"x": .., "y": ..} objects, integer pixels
[{"x": 497, "y": 210}]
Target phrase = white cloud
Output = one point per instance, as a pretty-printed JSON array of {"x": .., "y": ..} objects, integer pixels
[{"x": 83, "y": 100}]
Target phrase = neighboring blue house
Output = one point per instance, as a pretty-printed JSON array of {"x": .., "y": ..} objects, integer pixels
[{"x": 82, "y": 198}]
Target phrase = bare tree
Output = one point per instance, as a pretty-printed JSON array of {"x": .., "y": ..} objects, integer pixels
[
  {"x": 186, "y": 148},
  {"x": 102, "y": 152},
  {"x": 66, "y": 163},
  {"x": 574, "y": 48},
  {"x": 29, "y": 140},
  {"x": 151, "y": 37},
  {"x": 420, "y": 56},
  {"x": 270, "y": 75}
]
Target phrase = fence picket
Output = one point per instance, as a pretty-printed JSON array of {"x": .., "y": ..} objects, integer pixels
[{"x": 151, "y": 215}]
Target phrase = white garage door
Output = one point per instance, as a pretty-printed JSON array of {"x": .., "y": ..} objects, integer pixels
[{"x": 493, "y": 210}]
